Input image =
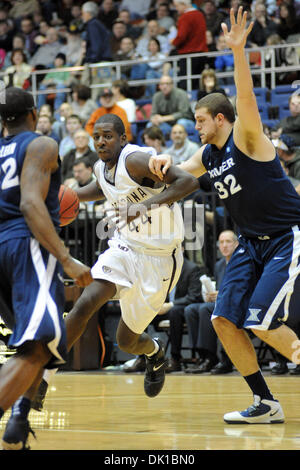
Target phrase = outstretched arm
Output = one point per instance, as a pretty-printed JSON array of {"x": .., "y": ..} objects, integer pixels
[{"x": 248, "y": 130}]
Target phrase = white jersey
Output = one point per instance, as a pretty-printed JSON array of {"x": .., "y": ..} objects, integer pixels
[{"x": 159, "y": 230}]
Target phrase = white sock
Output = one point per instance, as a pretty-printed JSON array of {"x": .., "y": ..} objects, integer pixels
[
  {"x": 156, "y": 348},
  {"x": 48, "y": 374}
]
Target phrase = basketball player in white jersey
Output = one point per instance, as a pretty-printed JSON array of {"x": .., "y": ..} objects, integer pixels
[{"x": 144, "y": 258}]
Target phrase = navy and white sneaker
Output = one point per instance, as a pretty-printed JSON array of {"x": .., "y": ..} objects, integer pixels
[
  {"x": 16, "y": 434},
  {"x": 155, "y": 371},
  {"x": 261, "y": 412}
]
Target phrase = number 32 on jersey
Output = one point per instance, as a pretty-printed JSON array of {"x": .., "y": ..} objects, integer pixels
[{"x": 228, "y": 187}]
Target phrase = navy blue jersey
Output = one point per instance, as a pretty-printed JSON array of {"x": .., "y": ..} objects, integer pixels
[
  {"x": 12, "y": 154},
  {"x": 259, "y": 197}
]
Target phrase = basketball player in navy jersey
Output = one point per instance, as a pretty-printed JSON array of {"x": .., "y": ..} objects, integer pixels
[
  {"x": 260, "y": 289},
  {"x": 32, "y": 260}
]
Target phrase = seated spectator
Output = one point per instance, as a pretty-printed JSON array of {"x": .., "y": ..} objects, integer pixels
[
  {"x": 127, "y": 51},
  {"x": 46, "y": 53},
  {"x": 171, "y": 105},
  {"x": 81, "y": 150},
  {"x": 44, "y": 127},
  {"x": 56, "y": 80},
  {"x": 108, "y": 106},
  {"x": 288, "y": 22},
  {"x": 18, "y": 42},
  {"x": 187, "y": 291},
  {"x": 182, "y": 147},
  {"x": 263, "y": 26},
  {"x": 134, "y": 31},
  {"x": 289, "y": 155},
  {"x": 82, "y": 104},
  {"x": 28, "y": 31},
  {"x": 208, "y": 83},
  {"x": 108, "y": 13},
  {"x": 153, "y": 137},
  {"x": 213, "y": 17},
  {"x": 121, "y": 91},
  {"x": 18, "y": 74},
  {"x": 164, "y": 19},
  {"x": 156, "y": 65},
  {"x": 152, "y": 32},
  {"x": 59, "y": 124},
  {"x": 119, "y": 31},
  {"x": 286, "y": 56},
  {"x": 202, "y": 336},
  {"x": 73, "y": 124},
  {"x": 72, "y": 46},
  {"x": 290, "y": 125},
  {"x": 224, "y": 63}
]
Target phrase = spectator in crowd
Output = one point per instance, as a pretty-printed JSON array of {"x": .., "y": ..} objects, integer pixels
[
  {"x": 96, "y": 35},
  {"x": 171, "y": 105},
  {"x": 164, "y": 19},
  {"x": 290, "y": 125},
  {"x": 29, "y": 33},
  {"x": 263, "y": 26},
  {"x": 76, "y": 21},
  {"x": 187, "y": 291},
  {"x": 56, "y": 80},
  {"x": 82, "y": 104},
  {"x": 108, "y": 13},
  {"x": 127, "y": 51},
  {"x": 82, "y": 173},
  {"x": 121, "y": 91},
  {"x": 287, "y": 56},
  {"x": 153, "y": 137},
  {"x": 46, "y": 53},
  {"x": 186, "y": 41},
  {"x": 73, "y": 124},
  {"x": 108, "y": 106},
  {"x": 152, "y": 31},
  {"x": 59, "y": 124},
  {"x": 134, "y": 31},
  {"x": 6, "y": 36},
  {"x": 208, "y": 83},
  {"x": 213, "y": 17},
  {"x": 18, "y": 42},
  {"x": 224, "y": 63},
  {"x": 81, "y": 150},
  {"x": 119, "y": 31},
  {"x": 202, "y": 336},
  {"x": 288, "y": 22},
  {"x": 18, "y": 74},
  {"x": 44, "y": 127},
  {"x": 72, "y": 47},
  {"x": 182, "y": 147},
  {"x": 289, "y": 155}
]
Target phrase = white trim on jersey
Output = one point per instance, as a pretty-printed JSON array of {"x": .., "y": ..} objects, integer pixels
[
  {"x": 286, "y": 290},
  {"x": 43, "y": 300}
]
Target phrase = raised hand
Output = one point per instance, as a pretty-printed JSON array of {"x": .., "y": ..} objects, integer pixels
[{"x": 237, "y": 36}]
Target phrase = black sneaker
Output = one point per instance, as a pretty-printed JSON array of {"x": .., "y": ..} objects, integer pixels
[
  {"x": 38, "y": 401},
  {"x": 16, "y": 434},
  {"x": 155, "y": 371}
]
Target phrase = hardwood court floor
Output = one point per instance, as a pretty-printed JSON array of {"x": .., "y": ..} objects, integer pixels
[{"x": 96, "y": 411}]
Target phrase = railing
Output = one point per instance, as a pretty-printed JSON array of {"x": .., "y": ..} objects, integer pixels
[{"x": 113, "y": 70}]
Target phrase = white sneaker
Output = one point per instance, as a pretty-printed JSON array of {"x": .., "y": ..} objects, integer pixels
[{"x": 261, "y": 412}]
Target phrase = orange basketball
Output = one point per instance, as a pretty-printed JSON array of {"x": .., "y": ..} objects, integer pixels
[{"x": 69, "y": 205}]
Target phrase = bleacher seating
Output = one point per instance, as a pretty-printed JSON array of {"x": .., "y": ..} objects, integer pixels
[{"x": 281, "y": 94}]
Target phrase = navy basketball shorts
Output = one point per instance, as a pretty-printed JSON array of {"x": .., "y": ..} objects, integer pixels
[
  {"x": 31, "y": 283},
  {"x": 261, "y": 285}
]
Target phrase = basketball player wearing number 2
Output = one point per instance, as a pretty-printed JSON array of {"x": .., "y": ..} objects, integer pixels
[
  {"x": 32, "y": 260},
  {"x": 260, "y": 290}
]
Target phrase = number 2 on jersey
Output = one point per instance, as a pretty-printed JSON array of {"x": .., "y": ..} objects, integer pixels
[{"x": 9, "y": 167}]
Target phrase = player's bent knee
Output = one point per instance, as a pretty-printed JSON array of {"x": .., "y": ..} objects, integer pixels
[
  {"x": 221, "y": 324},
  {"x": 35, "y": 351}
]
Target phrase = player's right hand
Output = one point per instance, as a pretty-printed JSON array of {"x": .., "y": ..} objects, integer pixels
[
  {"x": 78, "y": 271},
  {"x": 159, "y": 164}
]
